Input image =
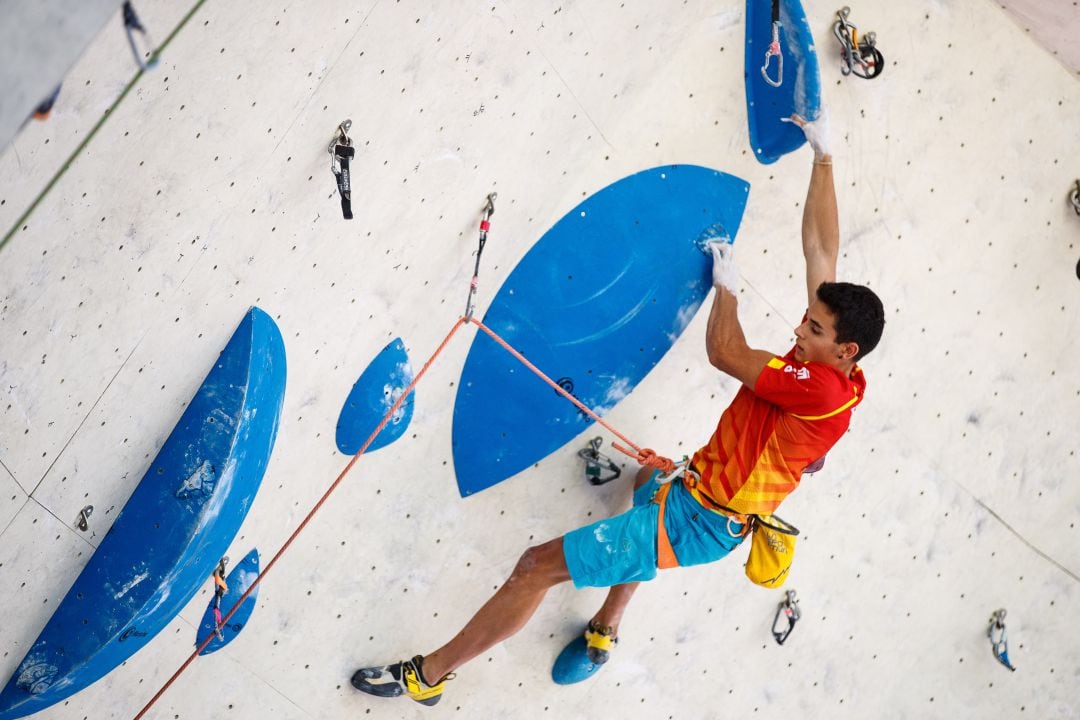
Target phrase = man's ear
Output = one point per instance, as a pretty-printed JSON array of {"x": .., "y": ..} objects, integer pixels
[{"x": 848, "y": 350}]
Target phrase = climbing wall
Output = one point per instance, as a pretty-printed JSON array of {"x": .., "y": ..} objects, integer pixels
[{"x": 208, "y": 189}]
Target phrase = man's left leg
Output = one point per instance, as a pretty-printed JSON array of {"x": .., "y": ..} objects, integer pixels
[{"x": 508, "y": 610}]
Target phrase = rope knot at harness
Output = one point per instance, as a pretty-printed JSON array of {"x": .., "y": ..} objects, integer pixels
[{"x": 649, "y": 458}]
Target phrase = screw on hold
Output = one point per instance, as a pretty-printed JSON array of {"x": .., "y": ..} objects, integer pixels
[
  {"x": 999, "y": 645},
  {"x": 789, "y": 608},
  {"x": 596, "y": 463},
  {"x": 84, "y": 515}
]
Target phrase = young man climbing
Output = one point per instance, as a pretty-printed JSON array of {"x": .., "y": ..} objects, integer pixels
[{"x": 789, "y": 412}]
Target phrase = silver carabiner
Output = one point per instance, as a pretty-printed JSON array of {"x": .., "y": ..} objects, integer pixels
[
  {"x": 774, "y": 51},
  {"x": 342, "y": 138},
  {"x": 999, "y": 645}
]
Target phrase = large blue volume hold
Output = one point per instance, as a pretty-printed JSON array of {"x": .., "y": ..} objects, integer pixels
[
  {"x": 175, "y": 527},
  {"x": 800, "y": 89},
  {"x": 595, "y": 304}
]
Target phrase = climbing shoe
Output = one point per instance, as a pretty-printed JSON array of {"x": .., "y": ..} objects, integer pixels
[
  {"x": 401, "y": 678},
  {"x": 599, "y": 641}
]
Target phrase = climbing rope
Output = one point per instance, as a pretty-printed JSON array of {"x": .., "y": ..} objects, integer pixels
[
  {"x": 303, "y": 523},
  {"x": 645, "y": 456}
]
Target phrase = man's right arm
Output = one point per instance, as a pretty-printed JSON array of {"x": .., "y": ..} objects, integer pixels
[{"x": 820, "y": 225}]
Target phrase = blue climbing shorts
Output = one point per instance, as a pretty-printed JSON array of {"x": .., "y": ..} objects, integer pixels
[{"x": 622, "y": 549}]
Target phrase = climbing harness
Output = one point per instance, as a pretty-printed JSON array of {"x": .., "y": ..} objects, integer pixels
[
  {"x": 859, "y": 55},
  {"x": 1074, "y": 197},
  {"x": 132, "y": 26},
  {"x": 774, "y": 50},
  {"x": 789, "y": 608},
  {"x": 84, "y": 515},
  {"x": 999, "y": 645},
  {"x": 485, "y": 225},
  {"x": 220, "y": 588},
  {"x": 596, "y": 463},
  {"x": 341, "y": 153}
]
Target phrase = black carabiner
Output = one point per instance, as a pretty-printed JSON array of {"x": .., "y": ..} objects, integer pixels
[{"x": 789, "y": 608}]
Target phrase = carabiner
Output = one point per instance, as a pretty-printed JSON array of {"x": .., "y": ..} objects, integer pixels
[
  {"x": 342, "y": 138},
  {"x": 774, "y": 51},
  {"x": 999, "y": 645},
  {"x": 789, "y": 607},
  {"x": 596, "y": 463}
]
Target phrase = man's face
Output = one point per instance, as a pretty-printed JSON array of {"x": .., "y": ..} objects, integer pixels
[{"x": 816, "y": 337}]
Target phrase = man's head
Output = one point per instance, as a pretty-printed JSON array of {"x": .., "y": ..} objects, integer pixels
[{"x": 842, "y": 325}]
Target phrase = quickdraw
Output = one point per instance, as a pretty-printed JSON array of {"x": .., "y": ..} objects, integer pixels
[
  {"x": 859, "y": 55},
  {"x": 341, "y": 153},
  {"x": 485, "y": 225},
  {"x": 132, "y": 26},
  {"x": 1074, "y": 197},
  {"x": 789, "y": 608},
  {"x": 596, "y": 463},
  {"x": 220, "y": 588},
  {"x": 774, "y": 50},
  {"x": 999, "y": 645}
]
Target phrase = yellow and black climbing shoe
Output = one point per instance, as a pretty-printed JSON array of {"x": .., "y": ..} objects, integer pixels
[
  {"x": 599, "y": 642},
  {"x": 401, "y": 678}
]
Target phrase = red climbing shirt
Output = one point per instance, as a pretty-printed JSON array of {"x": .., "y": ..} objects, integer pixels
[{"x": 768, "y": 435}]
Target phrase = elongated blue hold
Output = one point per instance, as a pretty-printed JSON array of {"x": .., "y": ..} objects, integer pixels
[
  {"x": 595, "y": 304},
  {"x": 372, "y": 396},
  {"x": 238, "y": 581},
  {"x": 800, "y": 88},
  {"x": 169, "y": 536}
]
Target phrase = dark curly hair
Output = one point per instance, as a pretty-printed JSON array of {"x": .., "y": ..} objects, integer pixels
[{"x": 860, "y": 317}]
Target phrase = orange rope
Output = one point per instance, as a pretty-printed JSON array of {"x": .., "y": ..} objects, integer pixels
[
  {"x": 644, "y": 456},
  {"x": 303, "y": 524}
]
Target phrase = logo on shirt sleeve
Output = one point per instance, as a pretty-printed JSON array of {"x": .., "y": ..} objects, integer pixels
[{"x": 801, "y": 373}]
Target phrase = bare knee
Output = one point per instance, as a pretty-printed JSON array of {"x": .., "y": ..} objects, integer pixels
[
  {"x": 643, "y": 476},
  {"x": 541, "y": 565}
]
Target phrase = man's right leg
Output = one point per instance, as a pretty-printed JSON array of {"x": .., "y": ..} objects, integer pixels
[{"x": 607, "y": 618}]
